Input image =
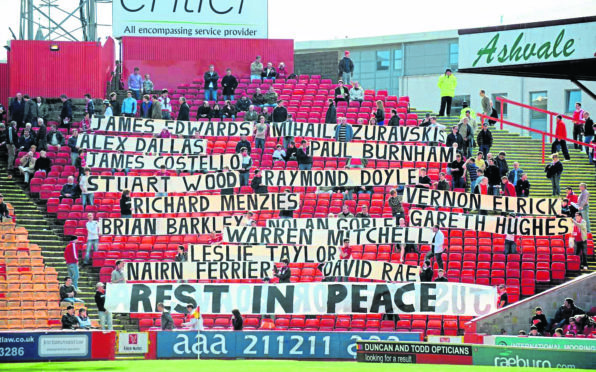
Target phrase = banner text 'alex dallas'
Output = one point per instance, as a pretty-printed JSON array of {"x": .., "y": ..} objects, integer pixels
[
  {"x": 172, "y": 146},
  {"x": 196, "y": 182},
  {"x": 338, "y": 178},
  {"x": 306, "y": 298}
]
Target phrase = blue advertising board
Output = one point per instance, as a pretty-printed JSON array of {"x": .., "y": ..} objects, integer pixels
[
  {"x": 31, "y": 346},
  {"x": 265, "y": 344}
]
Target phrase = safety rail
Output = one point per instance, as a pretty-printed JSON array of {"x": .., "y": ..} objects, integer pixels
[{"x": 542, "y": 133}]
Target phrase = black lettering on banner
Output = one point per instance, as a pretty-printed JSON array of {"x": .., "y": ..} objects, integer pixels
[
  {"x": 336, "y": 294},
  {"x": 142, "y": 144},
  {"x": 108, "y": 160},
  {"x": 276, "y": 296},
  {"x": 166, "y": 226},
  {"x": 399, "y": 298},
  {"x": 198, "y": 182},
  {"x": 333, "y": 178},
  {"x": 140, "y": 294},
  {"x": 390, "y": 152},
  {"x": 381, "y": 298},
  {"x": 216, "y": 293},
  {"x": 184, "y": 293},
  {"x": 271, "y": 253},
  {"x": 426, "y": 298},
  {"x": 376, "y": 270}
]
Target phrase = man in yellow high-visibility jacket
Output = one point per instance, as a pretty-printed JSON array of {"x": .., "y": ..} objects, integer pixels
[{"x": 447, "y": 83}]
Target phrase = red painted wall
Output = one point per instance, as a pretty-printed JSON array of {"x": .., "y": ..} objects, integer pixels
[
  {"x": 77, "y": 68},
  {"x": 174, "y": 61},
  {"x": 4, "y": 84}
]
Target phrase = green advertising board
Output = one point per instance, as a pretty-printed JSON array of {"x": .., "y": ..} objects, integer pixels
[
  {"x": 507, "y": 356},
  {"x": 562, "y": 343}
]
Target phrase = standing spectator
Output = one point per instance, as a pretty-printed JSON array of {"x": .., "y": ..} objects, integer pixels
[
  {"x": 471, "y": 169},
  {"x": 437, "y": 247},
  {"x": 284, "y": 273},
  {"x": 229, "y": 83},
  {"x": 515, "y": 174},
  {"x": 257, "y": 183},
  {"x": 107, "y": 109},
  {"x": 270, "y": 98},
  {"x": 561, "y": 133},
  {"x": 457, "y": 172},
  {"x": 583, "y": 204},
  {"x": 43, "y": 163},
  {"x": 147, "y": 85},
  {"x": 167, "y": 323},
  {"x": 66, "y": 112},
  {"x": 74, "y": 149},
  {"x": 4, "y": 213},
  {"x": 68, "y": 292},
  {"x": 426, "y": 274},
  {"x": 204, "y": 111},
  {"x": 346, "y": 68},
  {"x": 92, "y": 237},
  {"x": 118, "y": 273},
  {"x": 156, "y": 111},
  {"x": 70, "y": 189},
  {"x": 228, "y": 111},
  {"x": 243, "y": 104},
  {"x": 467, "y": 133},
  {"x": 588, "y": 134},
  {"x": 42, "y": 109},
  {"x": 280, "y": 113},
  {"x": 27, "y": 166},
  {"x": 578, "y": 124},
  {"x": 135, "y": 83},
  {"x": 16, "y": 109},
  {"x": 105, "y": 317},
  {"x": 304, "y": 157},
  {"x": 501, "y": 162},
  {"x": 553, "y": 172},
  {"x": 246, "y": 165},
  {"x": 507, "y": 188},
  {"x": 579, "y": 239},
  {"x": 503, "y": 298},
  {"x": 237, "y": 322},
  {"x": 282, "y": 73},
  {"x": 510, "y": 246},
  {"x": 256, "y": 69},
  {"x": 89, "y": 108},
  {"x": 31, "y": 111},
  {"x": 251, "y": 114},
  {"x": 211, "y": 77},
  {"x": 447, "y": 84},
  {"x": 523, "y": 186},
  {"x": 331, "y": 114},
  {"x": 69, "y": 320},
  {"x": 86, "y": 195},
  {"x": 72, "y": 263},
  {"x": 379, "y": 113},
  {"x": 395, "y": 202},
  {"x": 493, "y": 175},
  {"x": 343, "y": 131},
  {"x": 243, "y": 144},
  {"x": 356, "y": 93},
  {"x": 342, "y": 94},
  {"x": 184, "y": 112},
  {"x": 258, "y": 99},
  {"x": 12, "y": 141},
  {"x": 485, "y": 139},
  {"x": 455, "y": 137},
  {"x": 116, "y": 107},
  {"x": 194, "y": 319},
  {"x": 485, "y": 102},
  {"x": 394, "y": 120},
  {"x": 166, "y": 105},
  {"x": 269, "y": 72},
  {"x": 146, "y": 107},
  {"x": 125, "y": 205},
  {"x": 261, "y": 133},
  {"x": 129, "y": 105},
  {"x": 42, "y": 135}
]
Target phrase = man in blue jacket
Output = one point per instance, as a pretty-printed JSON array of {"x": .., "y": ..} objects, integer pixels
[
  {"x": 343, "y": 131},
  {"x": 129, "y": 105}
]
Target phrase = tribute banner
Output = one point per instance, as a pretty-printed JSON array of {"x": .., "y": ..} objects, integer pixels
[
  {"x": 166, "y": 226},
  {"x": 338, "y": 178},
  {"x": 274, "y": 253},
  {"x": 375, "y": 270},
  {"x": 276, "y": 235},
  {"x": 188, "y": 146},
  {"x": 112, "y": 160},
  {"x": 381, "y": 151},
  {"x": 524, "y": 226},
  {"x": 306, "y": 298},
  {"x": 509, "y": 204},
  {"x": 216, "y": 203},
  {"x": 175, "y": 127},
  {"x": 332, "y": 223},
  {"x": 380, "y": 133},
  {"x": 196, "y": 182}
]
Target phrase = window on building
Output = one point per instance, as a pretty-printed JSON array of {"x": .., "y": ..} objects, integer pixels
[
  {"x": 457, "y": 104},
  {"x": 383, "y": 61},
  {"x": 573, "y": 96},
  {"x": 398, "y": 61},
  {"x": 497, "y": 104},
  {"x": 453, "y": 55}
]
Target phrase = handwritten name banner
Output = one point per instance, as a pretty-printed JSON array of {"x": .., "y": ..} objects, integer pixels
[
  {"x": 524, "y": 226},
  {"x": 382, "y": 152},
  {"x": 216, "y": 203},
  {"x": 509, "y": 204},
  {"x": 166, "y": 226},
  {"x": 186, "y": 128},
  {"x": 306, "y": 298},
  {"x": 180, "y": 163},
  {"x": 374, "y": 270},
  {"x": 170, "y": 146},
  {"x": 197, "y": 182},
  {"x": 337, "y": 178},
  {"x": 332, "y": 223},
  {"x": 274, "y": 253}
]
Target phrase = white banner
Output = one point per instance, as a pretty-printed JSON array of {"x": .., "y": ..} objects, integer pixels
[
  {"x": 170, "y": 146},
  {"x": 274, "y": 253},
  {"x": 362, "y": 150},
  {"x": 332, "y": 223},
  {"x": 306, "y": 298},
  {"x": 166, "y": 226},
  {"x": 341, "y": 177},
  {"x": 221, "y": 19},
  {"x": 196, "y": 182},
  {"x": 110, "y": 160}
]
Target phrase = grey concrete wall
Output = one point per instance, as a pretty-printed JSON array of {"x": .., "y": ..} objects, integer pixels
[
  {"x": 518, "y": 315},
  {"x": 318, "y": 63}
]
